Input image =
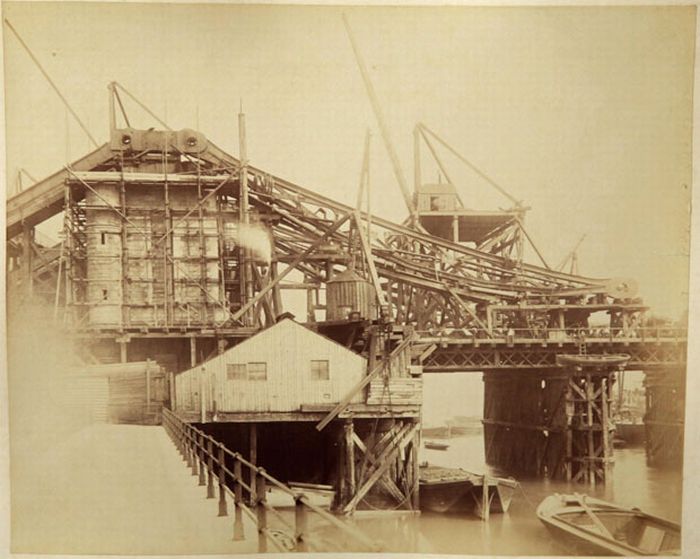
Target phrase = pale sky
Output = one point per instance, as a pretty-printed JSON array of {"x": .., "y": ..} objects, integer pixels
[{"x": 583, "y": 113}]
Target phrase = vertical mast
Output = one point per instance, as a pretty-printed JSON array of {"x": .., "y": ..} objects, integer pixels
[
  {"x": 364, "y": 189},
  {"x": 243, "y": 218},
  {"x": 417, "y": 179},
  {"x": 112, "y": 109},
  {"x": 243, "y": 201}
]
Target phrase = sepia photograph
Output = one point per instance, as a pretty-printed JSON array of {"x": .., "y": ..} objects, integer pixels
[{"x": 371, "y": 279}]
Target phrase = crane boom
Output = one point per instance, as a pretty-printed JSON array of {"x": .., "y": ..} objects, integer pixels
[{"x": 376, "y": 107}]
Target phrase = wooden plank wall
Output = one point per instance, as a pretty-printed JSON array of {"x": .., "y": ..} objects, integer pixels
[
  {"x": 287, "y": 348},
  {"x": 85, "y": 397},
  {"x": 137, "y": 397},
  {"x": 133, "y": 392},
  {"x": 397, "y": 390}
]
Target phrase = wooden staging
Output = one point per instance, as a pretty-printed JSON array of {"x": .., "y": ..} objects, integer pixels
[
  {"x": 553, "y": 423},
  {"x": 378, "y": 465}
]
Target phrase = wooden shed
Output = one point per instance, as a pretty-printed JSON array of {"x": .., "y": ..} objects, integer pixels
[
  {"x": 133, "y": 392},
  {"x": 280, "y": 369}
]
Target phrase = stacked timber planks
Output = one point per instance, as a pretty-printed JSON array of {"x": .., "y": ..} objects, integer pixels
[
  {"x": 136, "y": 390},
  {"x": 397, "y": 391},
  {"x": 84, "y": 398}
]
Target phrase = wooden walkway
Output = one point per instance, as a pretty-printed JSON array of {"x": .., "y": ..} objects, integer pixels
[{"x": 117, "y": 489}]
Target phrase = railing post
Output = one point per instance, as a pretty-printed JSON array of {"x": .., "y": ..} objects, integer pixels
[
  {"x": 202, "y": 463},
  {"x": 300, "y": 524},
  {"x": 210, "y": 468},
  {"x": 238, "y": 478},
  {"x": 223, "y": 509},
  {"x": 181, "y": 441},
  {"x": 238, "y": 533},
  {"x": 260, "y": 487},
  {"x": 191, "y": 442},
  {"x": 195, "y": 461},
  {"x": 253, "y": 458},
  {"x": 194, "y": 449},
  {"x": 174, "y": 431},
  {"x": 188, "y": 442},
  {"x": 188, "y": 446}
]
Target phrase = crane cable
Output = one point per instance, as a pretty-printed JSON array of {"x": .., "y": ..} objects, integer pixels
[{"x": 51, "y": 82}]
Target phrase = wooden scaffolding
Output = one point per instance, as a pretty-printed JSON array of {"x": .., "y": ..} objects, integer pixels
[
  {"x": 554, "y": 423},
  {"x": 589, "y": 451},
  {"x": 379, "y": 464}
]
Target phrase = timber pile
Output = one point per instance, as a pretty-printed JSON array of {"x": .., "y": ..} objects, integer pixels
[
  {"x": 524, "y": 422},
  {"x": 665, "y": 417},
  {"x": 398, "y": 390}
]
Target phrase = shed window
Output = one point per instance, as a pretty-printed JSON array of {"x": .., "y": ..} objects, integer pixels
[
  {"x": 236, "y": 371},
  {"x": 319, "y": 370},
  {"x": 257, "y": 371}
]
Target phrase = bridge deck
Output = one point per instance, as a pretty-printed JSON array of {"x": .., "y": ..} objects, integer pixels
[
  {"x": 647, "y": 349},
  {"x": 117, "y": 489}
]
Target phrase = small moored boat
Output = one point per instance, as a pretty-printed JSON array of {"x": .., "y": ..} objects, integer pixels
[
  {"x": 454, "y": 490},
  {"x": 436, "y": 446},
  {"x": 594, "y": 527},
  {"x": 629, "y": 426},
  {"x": 633, "y": 434}
]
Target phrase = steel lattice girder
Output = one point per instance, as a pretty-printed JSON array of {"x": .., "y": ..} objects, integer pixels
[
  {"x": 455, "y": 358},
  {"x": 299, "y": 217}
]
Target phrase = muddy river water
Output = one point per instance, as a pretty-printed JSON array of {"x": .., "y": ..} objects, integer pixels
[{"x": 519, "y": 532}]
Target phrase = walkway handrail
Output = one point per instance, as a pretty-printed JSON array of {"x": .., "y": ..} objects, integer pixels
[{"x": 198, "y": 449}]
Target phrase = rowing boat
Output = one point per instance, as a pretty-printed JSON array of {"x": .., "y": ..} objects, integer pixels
[{"x": 594, "y": 527}]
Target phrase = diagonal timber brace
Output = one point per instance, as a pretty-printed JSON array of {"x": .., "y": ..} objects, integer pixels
[{"x": 383, "y": 462}]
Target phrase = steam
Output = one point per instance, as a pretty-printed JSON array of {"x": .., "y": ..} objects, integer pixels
[
  {"x": 253, "y": 237},
  {"x": 40, "y": 366}
]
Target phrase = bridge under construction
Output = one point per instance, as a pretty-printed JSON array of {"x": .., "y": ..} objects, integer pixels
[{"x": 179, "y": 255}]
